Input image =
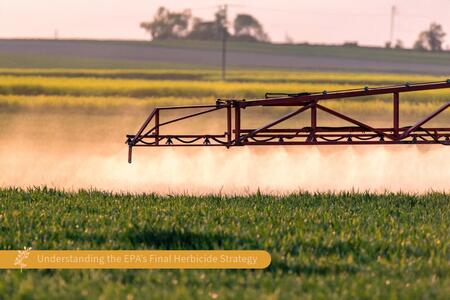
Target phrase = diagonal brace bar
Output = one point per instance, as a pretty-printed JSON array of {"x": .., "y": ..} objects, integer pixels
[
  {"x": 360, "y": 124},
  {"x": 424, "y": 120},
  {"x": 282, "y": 119},
  {"x": 180, "y": 119},
  {"x": 147, "y": 121}
]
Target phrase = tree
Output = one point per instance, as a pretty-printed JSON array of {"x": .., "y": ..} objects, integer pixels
[
  {"x": 176, "y": 25},
  {"x": 248, "y": 28},
  {"x": 210, "y": 30},
  {"x": 399, "y": 44},
  {"x": 420, "y": 43},
  {"x": 167, "y": 24},
  {"x": 430, "y": 39},
  {"x": 288, "y": 39},
  {"x": 204, "y": 30}
]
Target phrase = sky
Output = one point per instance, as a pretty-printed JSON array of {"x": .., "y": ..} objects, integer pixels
[{"x": 313, "y": 21}]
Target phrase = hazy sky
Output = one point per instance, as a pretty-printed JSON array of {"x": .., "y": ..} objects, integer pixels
[{"x": 315, "y": 21}]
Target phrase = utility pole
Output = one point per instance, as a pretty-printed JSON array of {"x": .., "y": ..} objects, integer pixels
[
  {"x": 393, "y": 13},
  {"x": 224, "y": 41}
]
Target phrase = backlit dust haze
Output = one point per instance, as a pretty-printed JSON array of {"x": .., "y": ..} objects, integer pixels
[
  {"x": 236, "y": 171},
  {"x": 72, "y": 150}
]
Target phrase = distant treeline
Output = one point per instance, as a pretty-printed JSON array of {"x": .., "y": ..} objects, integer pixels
[
  {"x": 245, "y": 27},
  {"x": 178, "y": 25}
]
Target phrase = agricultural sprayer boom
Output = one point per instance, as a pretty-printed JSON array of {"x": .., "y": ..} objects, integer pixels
[{"x": 357, "y": 133}]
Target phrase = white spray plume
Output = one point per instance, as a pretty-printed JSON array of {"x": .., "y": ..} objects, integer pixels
[{"x": 281, "y": 170}]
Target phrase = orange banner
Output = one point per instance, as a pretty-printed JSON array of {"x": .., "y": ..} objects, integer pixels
[{"x": 134, "y": 259}]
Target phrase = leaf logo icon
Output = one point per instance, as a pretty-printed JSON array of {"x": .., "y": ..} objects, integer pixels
[{"x": 21, "y": 256}]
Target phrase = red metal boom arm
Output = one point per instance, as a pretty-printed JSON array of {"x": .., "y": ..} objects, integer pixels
[{"x": 357, "y": 134}]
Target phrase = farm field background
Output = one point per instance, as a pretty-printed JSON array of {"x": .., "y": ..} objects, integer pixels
[
  {"x": 333, "y": 246},
  {"x": 38, "y": 97},
  {"x": 65, "y": 116},
  {"x": 17, "y": 53},
  {"x": 136, "y": 88},
  {"x": 81, "y": 116}
]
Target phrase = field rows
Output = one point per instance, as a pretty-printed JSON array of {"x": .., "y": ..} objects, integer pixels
[
  {"x": 240, "y": 75},
  {"x": 368, "y": 108},
  {"x": 144, "y": 88},
  {"x": 323, "y": 246}
]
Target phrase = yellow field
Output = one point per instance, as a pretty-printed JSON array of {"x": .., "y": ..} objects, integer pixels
[
  {"x": 60, "y": 88},
  {"x": 257, "y": 75},
  {"x": 370, "y": 107},
  {"x": 139, "y": 88},
  {"x": 97, "y": 101}
]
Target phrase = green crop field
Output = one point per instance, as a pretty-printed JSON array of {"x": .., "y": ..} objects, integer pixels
[
  {"x": 338, "y": 51},
  {"x": 323, "y": 246},
  {"x": 87, "y": 59}
]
